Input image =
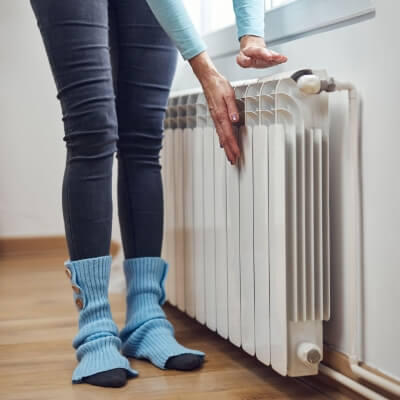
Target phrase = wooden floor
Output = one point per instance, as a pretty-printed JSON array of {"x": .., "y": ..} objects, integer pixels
[{"x": 38, "y": 321}]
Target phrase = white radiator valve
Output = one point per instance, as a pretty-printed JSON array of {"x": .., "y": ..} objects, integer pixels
[
  {"x": 309, "y": 353},
  {"x": 309, "y": 84}
]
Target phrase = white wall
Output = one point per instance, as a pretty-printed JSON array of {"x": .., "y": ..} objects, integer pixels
[
  {"x": 31, "y": 149},
  {"x": 367, "y": 54},
  {"x": 32, "y": 152}
]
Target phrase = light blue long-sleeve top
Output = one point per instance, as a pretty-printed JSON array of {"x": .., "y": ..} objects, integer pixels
[{"x": 173, "y": 17}]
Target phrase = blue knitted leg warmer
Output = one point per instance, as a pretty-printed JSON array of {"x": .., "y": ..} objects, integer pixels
[
  {"x": 147, "y": 332},
  {"x": 97, "y": 343}
]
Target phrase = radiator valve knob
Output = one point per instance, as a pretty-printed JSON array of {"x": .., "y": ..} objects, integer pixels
[
  {"x": 309, "y": 84},
  {"x": 309, "y": 353}
]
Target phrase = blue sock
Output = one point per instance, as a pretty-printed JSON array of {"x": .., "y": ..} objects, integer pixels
[
  {"x": 147, "y": 333},
  {"x": 97, "y": 343}
]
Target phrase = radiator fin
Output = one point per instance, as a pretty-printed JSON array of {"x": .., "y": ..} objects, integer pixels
[
  {"x": 179, "y": 234},
  {"x": 261, "y": 237},
  {"x": 190, "y": 300},
  {"x": 310, "y": 278},
  {"x": 198, "y": 221},
  {"x": 234, "y": 309},
  {"x": 209, "y": 228},
  {"x": 221, "y": 255}
]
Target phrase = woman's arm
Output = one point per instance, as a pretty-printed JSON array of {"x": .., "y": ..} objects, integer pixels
[
  {"x": 250, "y": 29},
  {"x": 249, "y": 17},
  {"x": 173, "y": 17}
]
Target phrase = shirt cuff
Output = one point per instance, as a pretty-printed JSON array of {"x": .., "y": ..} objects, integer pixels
[
  {"x": 195, "y": 48},
  {"x": 242, "y": 31}
]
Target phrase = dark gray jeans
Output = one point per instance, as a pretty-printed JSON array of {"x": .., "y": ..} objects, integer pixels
[{"x": 113, "y": 66}]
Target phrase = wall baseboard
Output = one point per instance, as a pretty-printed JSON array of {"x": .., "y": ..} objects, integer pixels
[
  {"x": 39, "y": 245},
  {"x": 340, "y": 362}
]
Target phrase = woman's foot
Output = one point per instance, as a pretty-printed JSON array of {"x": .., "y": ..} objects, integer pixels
[
  {"x": 97, "y": 343},
  {"x": 113, "y": 378},
  {"x": 147, "y": 333},
  {"x": 184, "y": 362}
]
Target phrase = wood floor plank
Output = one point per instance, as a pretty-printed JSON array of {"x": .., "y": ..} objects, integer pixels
[{"x": 38, "y": 321}]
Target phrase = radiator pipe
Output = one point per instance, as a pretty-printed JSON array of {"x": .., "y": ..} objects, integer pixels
[
  {"x": 354, "y": 118},
  {"x": 311, "y": 84},
  {"x": 350, "y": 383}
]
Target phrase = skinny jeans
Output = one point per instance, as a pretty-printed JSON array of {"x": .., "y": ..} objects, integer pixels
[{"x": 113, "y": 66}]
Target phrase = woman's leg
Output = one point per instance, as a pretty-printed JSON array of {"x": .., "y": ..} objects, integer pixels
[
  {"x": 146, "y": 66},
  {"x": 147, "y": 61},
  {"x": 75, "y": 34}
]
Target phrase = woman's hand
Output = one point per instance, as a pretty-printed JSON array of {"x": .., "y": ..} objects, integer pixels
[
  {"x": 254, "y": 53},
  {"x": 221, "y": 102}
]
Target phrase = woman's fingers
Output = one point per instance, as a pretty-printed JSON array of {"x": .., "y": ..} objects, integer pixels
[
  {"x": 259, "y": 57},
  {"x": 243, "y": 60},
  {"x": 254, "y": 53},
  {"x": 221, "y": 102},
  {"x": 227, "y": 138},
  {"x": 263, "y": 53},
  {"x": 231, "y": 105}
]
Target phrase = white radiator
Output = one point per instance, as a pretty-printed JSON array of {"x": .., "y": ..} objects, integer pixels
[{"x": 248, "y": 245}]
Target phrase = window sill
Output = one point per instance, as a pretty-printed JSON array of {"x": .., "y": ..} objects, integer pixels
[{"x": 296, "y": 20}]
